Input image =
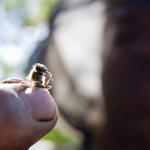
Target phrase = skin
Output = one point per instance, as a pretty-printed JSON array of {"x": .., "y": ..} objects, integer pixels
[
  {"x": 25, "y": 116},
  {"x": 126, "y": 81}
]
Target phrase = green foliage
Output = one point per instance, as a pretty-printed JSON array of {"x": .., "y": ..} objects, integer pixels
[
  {"x": 12, "y": 4},
  {"x": 47, "y": 7},
  {"x": 44, "y": 7},
  {"x": 45, "y": 10},
  {"x": 60, "y": 139},
  {"x": 16, "y": 16},
  {"x": 6, "y": 69}
]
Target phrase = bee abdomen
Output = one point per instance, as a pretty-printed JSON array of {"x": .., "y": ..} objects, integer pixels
[{"x": 37, "y": 77}]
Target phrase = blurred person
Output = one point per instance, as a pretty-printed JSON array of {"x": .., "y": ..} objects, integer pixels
[
  {"x": 126, "y": 74},
  {"x": 25, "y": 116}
]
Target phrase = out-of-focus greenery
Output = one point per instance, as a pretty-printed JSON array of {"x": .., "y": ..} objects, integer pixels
[
  {"x": 45, "y": 11},
  {"x": 6, "y": 68},
  {"x": 61, "y": 140},
  {"x": 34, "y": 11},
  {"x": 23, "y": 24}
]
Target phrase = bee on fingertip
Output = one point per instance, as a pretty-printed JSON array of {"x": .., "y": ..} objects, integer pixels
[{"x": 37, "y": 77}]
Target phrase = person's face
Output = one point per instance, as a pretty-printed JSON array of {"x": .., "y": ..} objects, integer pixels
[{"x": 126, "y": 70}]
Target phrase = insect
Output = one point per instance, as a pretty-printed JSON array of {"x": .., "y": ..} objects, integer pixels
[{"x": 36, "y": 78}]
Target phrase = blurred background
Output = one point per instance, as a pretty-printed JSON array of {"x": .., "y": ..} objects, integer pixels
[
  {"x": 23, "y": 24},
  {"x": 67, "y": 37}
]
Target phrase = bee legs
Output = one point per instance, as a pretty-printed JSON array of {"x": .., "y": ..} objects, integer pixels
[
  {"x": 39, "y": 85},
  {"x": 45, "y": 86},
  {"x": 48, "y": 87},
  {"x": 46, "y": 82}
]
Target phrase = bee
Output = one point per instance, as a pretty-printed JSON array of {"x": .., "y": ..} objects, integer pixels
[{"x": 36, "y": 78}]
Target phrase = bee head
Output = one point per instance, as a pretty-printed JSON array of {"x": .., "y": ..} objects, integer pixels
[{"x": 40, "y": 68}]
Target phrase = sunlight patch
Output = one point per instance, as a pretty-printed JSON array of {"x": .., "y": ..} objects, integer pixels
[{"x": 11, "y": 55}]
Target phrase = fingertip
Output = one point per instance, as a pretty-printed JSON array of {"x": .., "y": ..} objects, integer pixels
[{"x": 39, "y": 103}]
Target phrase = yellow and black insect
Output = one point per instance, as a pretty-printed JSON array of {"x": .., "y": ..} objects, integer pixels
[{"x": 36, "y": 78}]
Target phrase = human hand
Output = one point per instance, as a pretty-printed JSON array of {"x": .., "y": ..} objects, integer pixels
[{"x": 25, "y": 116}]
